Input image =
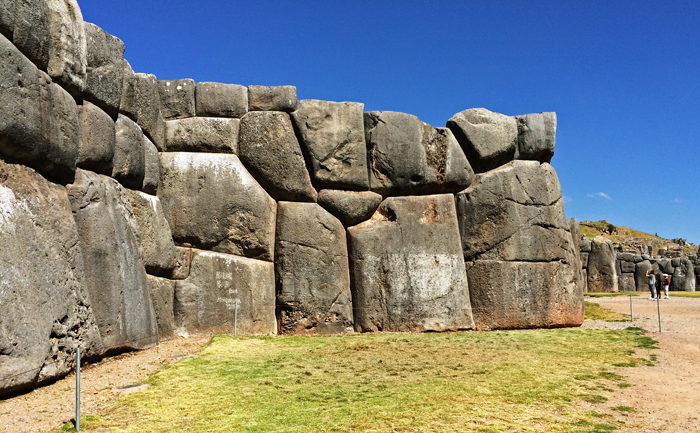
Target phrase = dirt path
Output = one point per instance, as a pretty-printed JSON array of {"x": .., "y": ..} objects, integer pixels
[{"x": 667, "y": 396}]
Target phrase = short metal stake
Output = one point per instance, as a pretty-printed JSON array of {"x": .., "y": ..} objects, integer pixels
[
  {"x": 77, "y": 392},
  {"x": 631, "y": 310},
  {"x": 658, "y": 308},
  {"x": 235, "y": 320}
]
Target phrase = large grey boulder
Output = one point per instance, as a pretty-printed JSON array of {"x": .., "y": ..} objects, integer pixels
[
  {"x": 585, "y": 245},
  {"x": 666, "y": 266},
  {"x": 223, "y": 292},
  {"x": 183, "y": 260},
  {"x": 45, "y": 309},
  {"x": 269, "y": 148},
  {"x": 176, "y": 98},
  {"x": 311, "y": 271},
  {"x": 683, "y": 277},
  {"x": 156, "y": 242},
  {"x": 163, "y": 299},
  {"x": 575, "y": 231},
  {"x": 332, "y": 134},
  {"x": 627, "y": 267},
  {"x": 640, "y": 279},
  {"x": 350, "y": 207},
  {"x": 536, "y": 136},
  {"x": 104, "y": 77},
  {"x": 407, "y": 156},
  {"x": 602, "y": 275},
  {"x": 202, "y": 134},
  {"x": 407, "y": 270},
  {"x": 525, "y": 271},
  {"x": 7, "y": 18},
  {"x": 141, "y": 102},
  {"x": 129, "y": 162},
  {"x": 584, "y": 260},
  {"x": 151, "y": 167},
  {"x": 67, "y": 46},
  {"x": 626, "y": 283},
  {"x": 220, "y": 100},
  {"x": 114, "y": 270},
  {"x": 489, "y": 139},
  {"x": 213, "y": 203},
  {"x": 272, "y": 98},
  {"x": 97, "y": 139},
  {"x": 31, "y": 31}
]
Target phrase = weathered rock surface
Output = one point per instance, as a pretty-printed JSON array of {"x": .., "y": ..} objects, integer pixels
[
  {"x": 626, "y": 283},
  {"x": 585, "y": 245},
  {"x": 213, "y": 203},
  {"x": 627, "y": 267},
  {"x": 350, "y": 207},
  {"x": 584, "y": 260},
  {"x": 407, "y": 268},
  {"x": 489, "y": 139},
  {"x": 683, "y": 277},
  {"x": 44, "y": 304},
  {"x": 202, "y": 134},
  {"x": 602, "y": 276},
  {"x": 176, "y": 98},
  {"x": 640, "y": 278},
  {"x": 311, "y": 271},
  {"x": 151, "y": 167},
  {"x": 207, "y": 299},
  {"x": 536, "y": 136},
  {"x": 156, "y": 242},
  {"x": 104, "y": 77},
  {"x": 183, "y": 260},
  {"x": 129, "y": 162},
  {"x": 141, "y": 102},
  {"x": 407, "y": 156},
  {"x": 7, "y": 18},
  {"x": 575, "y": 231},
  {"x": 114, "y": 271},
  {"x": 67, "y": 45},
  {"x": 220, "y": 100},
  {"x": 666, "y": 267},
  {"x": 333, "y": 135},
  {"x": 163, "y": 299},
  {"x": 268, "y": 147},
  {"x": 31, "y": 31},
  {"x": 97, "y": 139},
  {"x": 272, "y": 98}
]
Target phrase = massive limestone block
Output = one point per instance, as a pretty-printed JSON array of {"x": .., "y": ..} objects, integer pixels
[
  {"x": 220, "y": 100},
  {"x": 584, "y": 260},
  {"x": 114, "y": 269},
  {"x": 202, "y": 134},
  {"x": 628, "y": 267},
  {"x": 666, "y": 266},
  {"x": 525, "y": 272},
  {"x": 626, "y": 283},
  {"x": 163, "y": 299},
  {"x": 311, "y": 270},
  {"x": 151, "y": 167},
  {"x": 640, "y": 279},
  {"x": 407, "y": 270},
  {"x": 213, "y": 203},
  {"x": 272, "y": 98},
  {"x": 129, "y": 162},
  {"x": 7, "y": 18},
  {"x": 176, "y": 98},
  {"x": 183, "y": 260},
  {"x": 97, "y": 139},
  {"x": 67, "y": 45},
  {"x": 407, "y": 156},
  {"x": 269, "y": 148},
  {"x": 489, "y": 139},
  {"x": 141, "y": 102},
  {"x": 31, "y": 31},
  {"x": 575, "y": 231},
  {"x": 350, "y": 207},
  {"x": 333, "y": 136},
  {"x": 217, "y": 283},
  {"x": 105, "y": 69},
  {"x": 683, "y": 276},
  {"x": 44, "y": 304},
  {"x": 157, "y": 246},
  {"x": 602, "y": 276},
  {"x": 536, "y": 136}
]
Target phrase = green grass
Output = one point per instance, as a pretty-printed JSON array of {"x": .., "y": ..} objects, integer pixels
[
  {"x": 596, "y": 312},
  {"x": 467, "y": 382},
  {"x": 612, "y": 295},
  {"x": 684, "y": 294}
]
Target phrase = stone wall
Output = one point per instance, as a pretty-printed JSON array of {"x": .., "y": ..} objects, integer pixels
[{"x": 134, "y": 209}]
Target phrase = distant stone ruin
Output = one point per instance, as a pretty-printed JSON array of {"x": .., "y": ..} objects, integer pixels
[{"x": 133, "y": 209}]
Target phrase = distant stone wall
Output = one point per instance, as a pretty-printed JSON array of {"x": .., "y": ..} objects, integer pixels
[
  {"x": 609, "y": 270},
  {"x": 134, "y": 209}
]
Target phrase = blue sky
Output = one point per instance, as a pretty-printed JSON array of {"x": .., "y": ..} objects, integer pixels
[{"x": 623, "y": 77}]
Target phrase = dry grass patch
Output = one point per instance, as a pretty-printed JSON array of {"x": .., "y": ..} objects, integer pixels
[
  {"x": 596, "y": 312},
  {"x": 466, "y": 382}
]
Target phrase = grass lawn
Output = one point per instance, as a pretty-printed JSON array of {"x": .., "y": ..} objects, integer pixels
[
  {"x": 503, "y": 381},
  {"x": 646, "y": 294},
  {"x": 596, "y": 312}
]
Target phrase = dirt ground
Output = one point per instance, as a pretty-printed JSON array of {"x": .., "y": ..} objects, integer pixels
[{"x": 667, "y": 396}]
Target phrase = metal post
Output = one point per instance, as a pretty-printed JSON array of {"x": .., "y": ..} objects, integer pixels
[
  {"x": 235, "y": 320},
  {"x": 77, "y": 392},
  {"x": 631, "y": 310},
  {"x": 658, "y": 308}
]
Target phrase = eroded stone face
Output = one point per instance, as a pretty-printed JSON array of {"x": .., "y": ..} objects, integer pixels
[
  {"x": 272, "y": 98},
  {"x": 602, "y": 275},
  {"x": 536, "y": 136},
  {"x": 177, "y": 98},
  {"x": 156, "y": 242},
  {"x": 683, "y": 276},
  {"x": 129, "y": 162},
  {"x": 163, "y": 298},
  {"x": 220, "y": 100},
  {"x": 31, "y": 31},
  {"x": 213, "y": 203},
  {"x": 311, "y": 264},
  {"x": 45, "y": 309},
  {"x": 207, "y": 299},
  {"x": 407, "y": 268},
  {"x": 67, "y": 45},
  {"x": 350, "y": 207},
  {"x": 202, "y": 134},
  {"x": 141, "y": 102},
  {"x": 97, "y": 139},
  {"x": 105, "y": 69}
]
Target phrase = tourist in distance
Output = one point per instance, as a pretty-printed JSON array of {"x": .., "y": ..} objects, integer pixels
[
  {"x": 652, "y": 281},
  {"x": 666, "y": 283}
]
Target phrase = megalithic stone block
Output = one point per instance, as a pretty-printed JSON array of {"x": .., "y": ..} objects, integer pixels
[
  {"x": 151, "y": 169},
  {"x": 104, "y": 77},
  {"x": 31, "y": 31},
  {"x": 221, "y": 100},
  {"x": 202, "y": 134},
  {"x": 163, "y": 298},
  {"x": 177, "y": 98},
  {"x": 602, "y": 274},
  {"x": 129, "y": 163},
  {"x": 67, "y": 46},
  {"x": 536, "y": 136},
  {"x": 141, "y": 102},
  {"x": 7, "y": 18},
  {"x": 407, "y": 270},
  {"x": 350, "y": 207},
  {"x": 155, "y": 240},
  {"x": 97, "y": 139},
  {"x": 272, "y": 98}
]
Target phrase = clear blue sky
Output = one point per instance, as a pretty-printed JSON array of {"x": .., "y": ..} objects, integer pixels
[{"x": 623, "y": 77}]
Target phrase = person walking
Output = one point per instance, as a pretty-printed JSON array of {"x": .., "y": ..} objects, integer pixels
[
  {"x": 666, "y": 283},
  {"x": 652, "y": 281}
]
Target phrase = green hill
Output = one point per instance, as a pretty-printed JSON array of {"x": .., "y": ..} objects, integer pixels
[{"x": 631, "y": 238}]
